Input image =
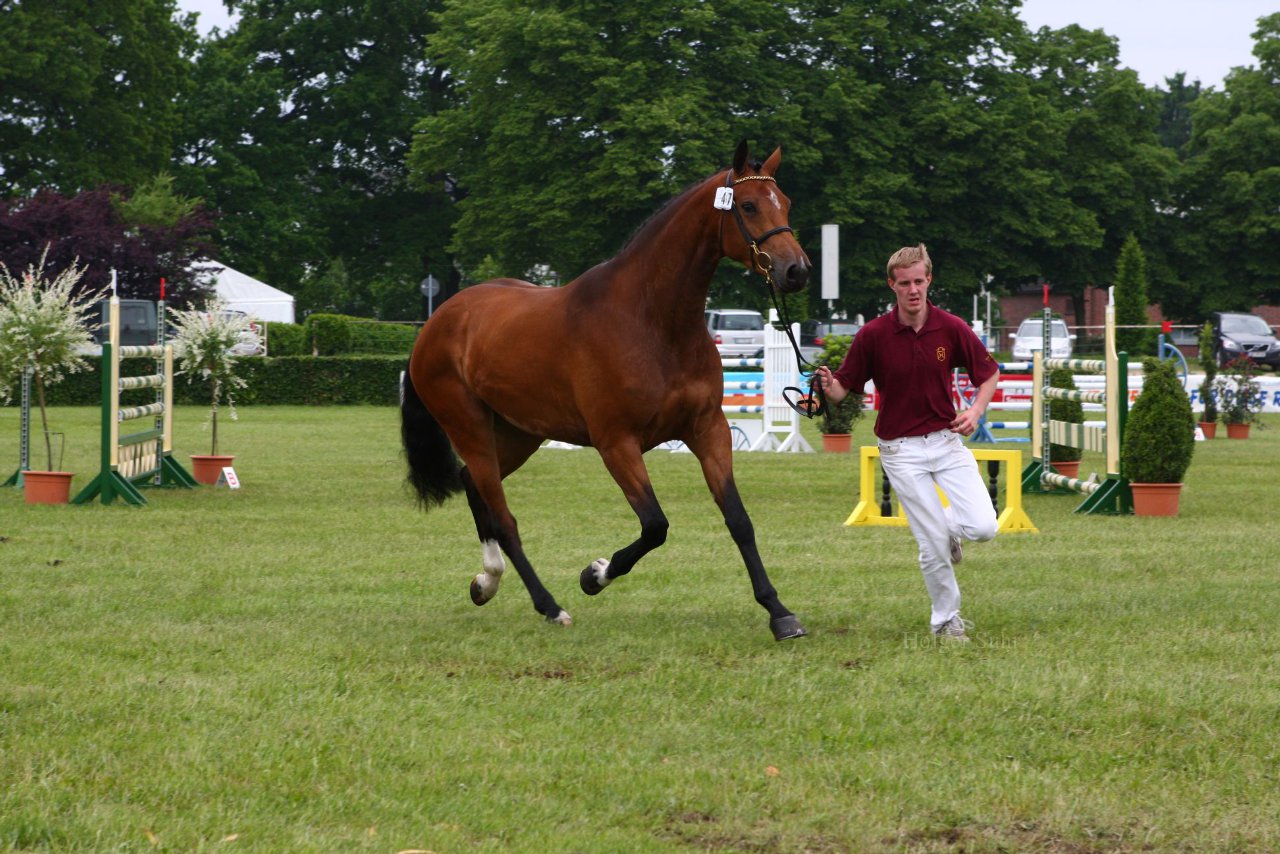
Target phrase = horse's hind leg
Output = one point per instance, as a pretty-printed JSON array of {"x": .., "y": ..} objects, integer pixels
[
  {"x": 495, "y": 525},
  {"x": 485, "y": 585}
]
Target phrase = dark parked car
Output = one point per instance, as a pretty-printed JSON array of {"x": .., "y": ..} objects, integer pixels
[
  {"x": 1240, "y": 334},
  {"x": 137, "y": 322},
  {"x": 814, "y": 332}
]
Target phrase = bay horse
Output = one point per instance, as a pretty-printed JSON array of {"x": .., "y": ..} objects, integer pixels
[{"x": 618, "y": 359}]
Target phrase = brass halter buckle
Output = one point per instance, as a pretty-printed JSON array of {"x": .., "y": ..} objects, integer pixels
[{"x": 765, "y": 267}]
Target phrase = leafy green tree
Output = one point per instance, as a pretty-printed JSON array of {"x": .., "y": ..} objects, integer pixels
[
  {"x": 903, "y": 121},
  {"x": 1227, "y": 200},
  {"x": 891, "y": 142},
  {"x": 90, "y": 89},
  {"x": 572, "y": 123},
  {"x": 297, "y": 133},
  {"x": 1131, "y": 300},
  {"x": 1175, "y": 114},
  {"x": 1107, "y": 161}
]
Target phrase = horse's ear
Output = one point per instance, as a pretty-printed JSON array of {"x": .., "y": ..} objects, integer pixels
[
  {"x": 740, "y": 157},
  {"x": 771, "y": 165}
]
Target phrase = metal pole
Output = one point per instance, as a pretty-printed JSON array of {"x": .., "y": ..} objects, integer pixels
[{"x": 24, "y": 431}]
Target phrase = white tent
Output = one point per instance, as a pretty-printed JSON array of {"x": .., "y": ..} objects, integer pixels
[{"x": 247, "y": 294}]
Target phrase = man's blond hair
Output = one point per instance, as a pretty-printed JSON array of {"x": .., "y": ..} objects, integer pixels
[{"x": 908, "y": 255}]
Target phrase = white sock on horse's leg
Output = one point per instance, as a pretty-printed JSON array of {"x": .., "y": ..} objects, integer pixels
[
  {"x": 600, "y": 570},
  {"x": 494, "y": 566}
]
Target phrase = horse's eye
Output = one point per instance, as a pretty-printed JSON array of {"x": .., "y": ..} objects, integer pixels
[{"x": 749, "y": 207}]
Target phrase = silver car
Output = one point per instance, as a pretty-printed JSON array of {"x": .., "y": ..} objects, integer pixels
[
  {"x": 738, "y": 333},
  {"x": 1030, "y": 336}
]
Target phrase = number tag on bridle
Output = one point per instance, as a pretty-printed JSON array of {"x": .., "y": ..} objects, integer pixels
[{"x": 724, "y": 199}]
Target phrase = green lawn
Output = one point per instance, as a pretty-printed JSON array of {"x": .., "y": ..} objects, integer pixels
[{"x": 296, "y": 665}]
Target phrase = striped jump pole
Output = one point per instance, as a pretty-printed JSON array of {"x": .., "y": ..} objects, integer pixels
[
  {"x": 966, "y": 392},
  {"x": 1109, "y": 495},
  {"x": 145, "y": 457}
]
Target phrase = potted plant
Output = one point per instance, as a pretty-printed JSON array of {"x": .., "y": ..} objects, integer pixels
[
  {"x": 1065, "y": 459},
  {"x": 1159, "y": 439},
  {"x": 836, "y": 422},
  {"x": 45, "y": 329},
  {"x": 1238, "y": 396},
  {"x": 205, "y": 344},
  {"x": 1208, "y": 389}
]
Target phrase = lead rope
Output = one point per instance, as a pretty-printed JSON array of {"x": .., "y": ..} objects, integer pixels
[{"x": 815, "y": 402}]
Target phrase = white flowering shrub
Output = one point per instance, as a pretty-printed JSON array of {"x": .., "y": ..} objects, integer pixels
[
  {"x": 44, "y": 327},
  {"x": 202, "y": 344}
]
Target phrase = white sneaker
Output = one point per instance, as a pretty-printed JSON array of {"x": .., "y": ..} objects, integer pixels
[
  {"x": 954, "y": 629},
  {"x": 957, "y": 550}
]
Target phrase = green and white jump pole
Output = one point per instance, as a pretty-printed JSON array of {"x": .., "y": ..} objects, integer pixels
[
  {"x": 144, "y": 458},
  {"x": 1110, "y": 495}
]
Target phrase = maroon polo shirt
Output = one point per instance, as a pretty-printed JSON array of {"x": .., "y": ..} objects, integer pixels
[{"x": 912, "y": 370}]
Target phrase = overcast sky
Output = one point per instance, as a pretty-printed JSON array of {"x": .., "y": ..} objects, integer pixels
[{"x": 1158, "y": 38}]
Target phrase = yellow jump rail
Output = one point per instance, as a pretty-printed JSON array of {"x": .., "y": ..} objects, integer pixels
[{"x": 1012, "y": 519}]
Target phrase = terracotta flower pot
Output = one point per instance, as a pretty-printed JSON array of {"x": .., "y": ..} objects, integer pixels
[
  {"x": 1209, "y": 428},
  {"x": 837, "y": 443},
  {"x": 1067, "y": 468},
  {"x": 47, "y": 487},
  {"x": 206, "y": 468},
  {"x": 1237, "y": 431},
  {"x": 1156, "y": 499}
]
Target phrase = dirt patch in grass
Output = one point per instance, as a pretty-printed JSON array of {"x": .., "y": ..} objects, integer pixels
[
  {"x": 1024, "y": 838},
  {"x": 703, "y": 831}
]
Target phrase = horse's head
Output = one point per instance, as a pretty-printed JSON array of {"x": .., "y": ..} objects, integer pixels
[{"x": 759, "y": 234}]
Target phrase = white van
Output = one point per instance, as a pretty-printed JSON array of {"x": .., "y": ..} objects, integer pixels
[{"x": 738, "y": 333}]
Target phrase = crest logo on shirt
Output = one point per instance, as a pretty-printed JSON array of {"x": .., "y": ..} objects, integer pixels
[{"x": 942, "y": 354}]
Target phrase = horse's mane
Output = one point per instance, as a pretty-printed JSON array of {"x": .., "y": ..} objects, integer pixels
[{"x": 661, "y": 212}]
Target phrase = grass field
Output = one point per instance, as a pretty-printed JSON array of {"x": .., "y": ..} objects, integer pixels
[{"x": 296, "y": 665}]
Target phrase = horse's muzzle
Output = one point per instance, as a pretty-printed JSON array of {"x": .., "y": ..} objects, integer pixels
[{"x": 794, "y": 276}]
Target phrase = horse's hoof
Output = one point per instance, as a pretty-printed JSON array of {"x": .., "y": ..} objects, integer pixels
[
  {"x": 787, "y": 627},
  {"x": 561, "y": 619},
  {"x": 477, "y": 592},
  {"x": 595, "y": 577}
]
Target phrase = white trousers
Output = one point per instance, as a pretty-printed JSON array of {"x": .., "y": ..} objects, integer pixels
[{"x": 916, "y": 464}]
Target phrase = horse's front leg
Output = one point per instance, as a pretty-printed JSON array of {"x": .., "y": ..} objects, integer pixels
[
  {"x": 626, "y": 465},
  {"x": 714, "y": 450}
]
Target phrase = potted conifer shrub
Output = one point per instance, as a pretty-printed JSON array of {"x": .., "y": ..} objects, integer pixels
[
  {"x": 1065, "y": 459},
  {"x": 836, "y": 422},
  {"x": 45, "y": 328},
  {"x": 205, "y": 344},
  {"x": 1208, "y": 388},
  {"x": 1238, "y": 396},
  {"x": 1159, "y": 440}
]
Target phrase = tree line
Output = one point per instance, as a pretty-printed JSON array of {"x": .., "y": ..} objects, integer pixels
[{"x": 345, "y": 149}]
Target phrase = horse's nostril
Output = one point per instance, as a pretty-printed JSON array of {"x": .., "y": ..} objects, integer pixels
[{"x": 797, "y": 274}]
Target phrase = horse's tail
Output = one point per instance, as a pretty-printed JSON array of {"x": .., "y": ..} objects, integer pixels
[{"x": 433, "y": 467}]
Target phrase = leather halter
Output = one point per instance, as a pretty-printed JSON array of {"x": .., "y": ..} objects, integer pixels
[{"x": 761, "y": 261}]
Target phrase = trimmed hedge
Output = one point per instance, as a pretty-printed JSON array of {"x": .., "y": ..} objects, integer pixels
[
  {"x": 272, "y": 380},
  {"x": 340, "y": 335},
  {"x": 287, "y": 339}
]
